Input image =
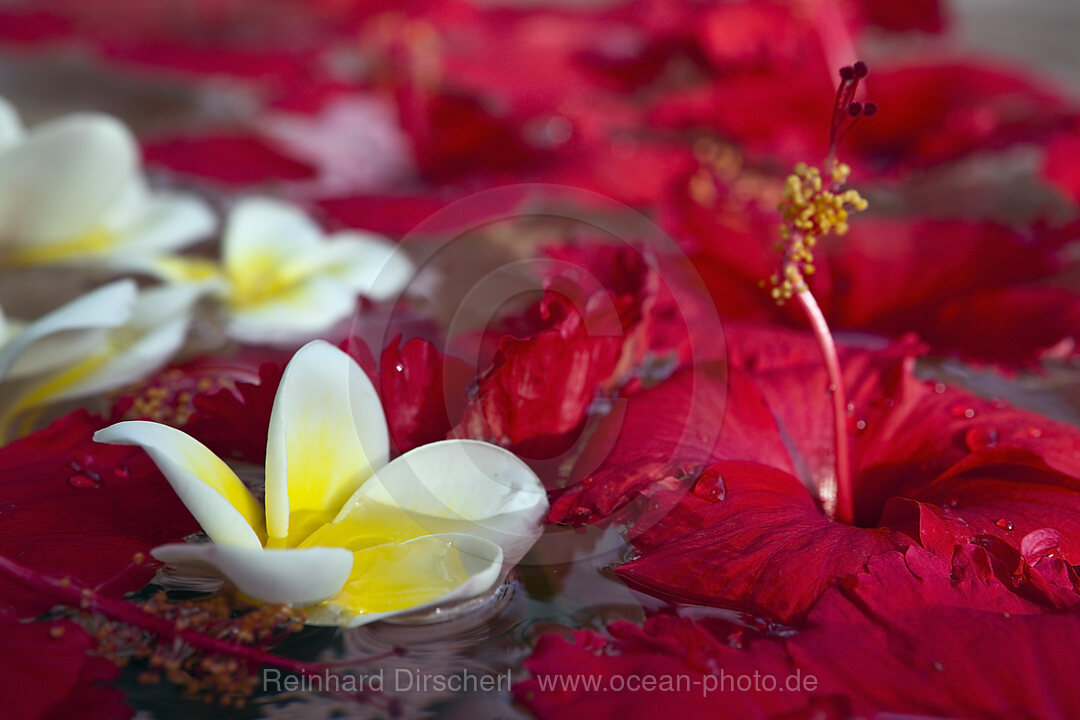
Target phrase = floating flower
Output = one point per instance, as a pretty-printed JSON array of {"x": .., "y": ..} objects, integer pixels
[
  {"x": 100, "y": 341},
  {"x": 346, "y": 533},
  {"x": 282, "y": 281},
  {"x": 71, "y": 192}
]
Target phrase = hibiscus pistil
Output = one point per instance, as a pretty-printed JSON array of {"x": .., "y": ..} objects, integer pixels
[{"x": 812, "y": 208}]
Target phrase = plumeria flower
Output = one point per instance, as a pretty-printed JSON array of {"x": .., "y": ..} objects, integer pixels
[
  {"x": 346, "y": 534},
  {"x": 71, "y": 191},
  {"x": 283, "y": 281},
  {"x": 102, "y": 340}
]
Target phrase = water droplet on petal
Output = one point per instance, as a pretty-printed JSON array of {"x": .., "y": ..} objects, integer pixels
[
  {"x": 121, "y": 472},
  {"x": 938, "y": 666},
  {"x": 1005, "y": 524},
  {"x": 82, "y": 480},
  {"x": 850, "y": 409},
  {"x": 1034, "y": 432},
  {"x": 962, "y": 411},
  {"x": 860, "y": 425},
  {"x": 939, "y": 388},
  {"x": 830, "y": 389},
  {"x": 399, "y": 367}
]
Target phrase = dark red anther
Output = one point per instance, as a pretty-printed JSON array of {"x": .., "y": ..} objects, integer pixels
[{"x": 846, "y": 111}]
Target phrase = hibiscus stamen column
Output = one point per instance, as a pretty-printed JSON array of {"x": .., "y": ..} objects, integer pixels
[{"x": 813, "y": 207}]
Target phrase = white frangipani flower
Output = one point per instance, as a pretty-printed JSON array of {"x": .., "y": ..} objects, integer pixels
[
  {"x": 282, "y": 280},
  {"x": 345, "y": 533},
  {"x": 287, "y": 282},
  {"x": 107, "y": 338},
  {"x": 71, "y": 192}
]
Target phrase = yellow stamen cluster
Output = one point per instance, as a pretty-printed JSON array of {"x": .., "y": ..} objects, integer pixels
[
  {"x": 222, "y": 680},
  {"x": 166, "y": 403},
  {"x": 721, "y": 169},
  {"x": 810, "y": 209}
]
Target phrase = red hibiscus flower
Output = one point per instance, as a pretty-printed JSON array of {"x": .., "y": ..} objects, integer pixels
[{"x": 730, "y": 521}]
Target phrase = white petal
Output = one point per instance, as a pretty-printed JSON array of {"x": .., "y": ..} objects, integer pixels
[
  {"x": 297, "y": 577},
  {"x": 11, "y": 130},
  {"x": 464, "y": 486},
  {"x": 297, "y": 315},
  {"x": 367, "y": 263},
  {"x": 220, "y": 502},
  {"x": 327, "y": 433},
  {"x": 164, "y": 222},
  {"x": 483, "y": 562},
  {"x": 261, "y": 231},
  {"x": 67, "y": 333},
  {"x": 59, "y": 182},
  {"x": 127, "y": 360},
  {"x": 165, "y": 303}
]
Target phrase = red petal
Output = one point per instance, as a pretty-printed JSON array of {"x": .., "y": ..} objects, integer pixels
[
  {"x": 668, "y": 649},
  {"x": 758, "y": 542},
  {"x": 232, "y": 159},
  {"x": 421, "y": 389},
  {"x": 47, "y": 672},
  {"x": 76, "y": 508}
]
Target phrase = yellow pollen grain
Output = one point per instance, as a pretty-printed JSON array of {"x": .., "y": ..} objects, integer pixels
[{"x": 809, "y": 210}]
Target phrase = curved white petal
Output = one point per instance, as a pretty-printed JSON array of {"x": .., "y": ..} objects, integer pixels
[
  {"x": 57, "y": 184},
  {"x": 327, "y": 433},
  {"x": 58, "y": 338},
  {"x": 481, "y": 560},
  {"x": 163, "y": 222},
  {"x": 220, "y": 502},
  {"x": 11, "y": 130},
  {"x": 261, "y": 231},
  {"x": 296, "y": 315},
  {"x": 164, "y": 303},
  {"x": 464, "y": 486},
  {"x": 295, "y": 577},
  {"x": 368, "y": 264},
  {"x": 56, "y": 351},
  {"x": 156, "y": 331}
]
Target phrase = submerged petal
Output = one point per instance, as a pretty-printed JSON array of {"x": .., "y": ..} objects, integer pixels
[
  {"x": 327, "y": 433},
  {"x": 392, "y": 579},
  {"x": 206, "y": 485},
  {"x": 457, "y": 486},
  {"x": 295, "y": 577}
]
